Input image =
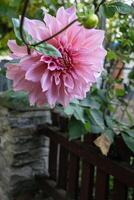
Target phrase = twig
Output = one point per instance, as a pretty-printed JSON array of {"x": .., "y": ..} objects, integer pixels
[
  {"x": 45, "y": 40},
  {"x": 21, "y": 25},
  {"x": 54, "y": 35}
]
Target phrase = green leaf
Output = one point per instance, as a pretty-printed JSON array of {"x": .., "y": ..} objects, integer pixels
[
  {"x": 110, "y": 134},
  {"x": 16, "y": 25},
  {"x": 98, "y": 118},
  {"x": 111, "y": 55},
  {"x": 90, "y": 102},
  {"x": 76, "y": 129},
  {"x": 129, "y": 141},
  {"x": 87, "y": 126},
  {"x": 120, "y": 92},
  {"x": 96, "y": 129},
  {"x": 110, "y": 122},
  {"x": 69, "y": 110},
  {"x": 130, "y": 132},
  {"x": 48, "y": 49},
  {"x": 107, "y": 10},
  {"x": 2, "y": 71},
  {"x": 79, "y": 113},
  {"x": 123, "y": 8}
]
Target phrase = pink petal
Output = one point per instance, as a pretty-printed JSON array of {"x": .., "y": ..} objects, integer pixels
[
  {"x": 18, "y": 51},
  {"x": 35, "y": 72},
  {"x": 68, "y": 81},
  {"x": 45, "y": 81},
  {"x": 36, "y": 29}
]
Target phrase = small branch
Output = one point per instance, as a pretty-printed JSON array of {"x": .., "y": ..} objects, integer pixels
[
  {"x": 97, "y": 8},
  {"x": 45, "y": 40},
  {"x": 21, "y": 24},
  {"x": 54, "y": 35}
]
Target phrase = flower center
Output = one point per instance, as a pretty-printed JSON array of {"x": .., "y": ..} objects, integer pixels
[{"x": 62, "y": 63}]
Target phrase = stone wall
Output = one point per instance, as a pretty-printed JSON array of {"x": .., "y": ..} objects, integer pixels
[{"x": 23, "y": 153}]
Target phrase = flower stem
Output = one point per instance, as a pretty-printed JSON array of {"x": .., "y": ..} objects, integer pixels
[
  {"x": 40, "y": 42},
  {"x": 21, "y": 25},
  {"x": 54, "y": 35}
]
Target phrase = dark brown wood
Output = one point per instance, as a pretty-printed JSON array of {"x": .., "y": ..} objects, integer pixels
[
  {"x": 123, "y": 151},
  {"x": 87, "y": 182},
  {"x": 53, "y": 150},
  {"x": 49, "y": 186},
  {"x": 122, "y": 172},
  {"x": 101, "y": 191},
  {"x": 66, "y": 163},
  {"x": 120, "y": 191},
  {"x": 62, "y": 169},
  {"x": 73, "y": 177}
]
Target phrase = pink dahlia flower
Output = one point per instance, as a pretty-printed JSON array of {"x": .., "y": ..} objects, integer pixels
[{"x": 49, "y": 79}]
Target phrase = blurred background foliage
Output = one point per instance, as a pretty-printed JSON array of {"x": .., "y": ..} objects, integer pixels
[{"x": 109, "y": 101}]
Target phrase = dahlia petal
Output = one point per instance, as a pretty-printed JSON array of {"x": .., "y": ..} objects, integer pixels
[
  {"x": 52, "y": 94},
  {"x": 94, "y": 38},
  {"x": 33, "y": 95},
  {"x": 35, "y": 72},
  {"x": 45, "y": 81},
  {"x": 12, "y": 70},
  {"x": 66, "y": 16},
  {"x": 57, "y": 78},
  {"x": 35, "y": 28},
  {"x": 68, "y": 81},
  {"x": 18, "y": 51},
  {"x": 52, "y": 24},
  {"x": 28, "y": 61},
  {"x": 63, "y": 99}
]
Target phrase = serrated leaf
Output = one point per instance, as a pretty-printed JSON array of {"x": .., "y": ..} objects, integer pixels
[
  {"x": 76, "y": 129},
  {"x": 98, "y": 118},
  {"x": 96, "y": 129},
  {"x": 48, "y": 49},
  {"x": 107, "y": 10},
  {"x": 123, "y": 8},
  {"x": 129, "y": 141},
  {"x": 79, "y": 114},
  {"x": 69, "y": 110},
  {"x": 16, "y": 25},
  {"x": 130, "y": 132},
  {"x": 90, "y": 102}
]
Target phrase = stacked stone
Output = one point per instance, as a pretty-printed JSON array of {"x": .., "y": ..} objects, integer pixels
[{"x": 23, "y": 152}]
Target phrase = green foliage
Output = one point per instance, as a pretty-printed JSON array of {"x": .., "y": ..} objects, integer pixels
[
  {"x": 129, "y": 140},
  {"x": 48, "y": 49},
  {"x": 16, "y": 25},
  {"x": 76, "y": 129},
  {"x": 14, "y": 100},
  {"x": 109, "y": 9}
]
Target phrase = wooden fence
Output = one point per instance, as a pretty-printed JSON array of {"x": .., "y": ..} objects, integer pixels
[{"x": 77, "y": 170}]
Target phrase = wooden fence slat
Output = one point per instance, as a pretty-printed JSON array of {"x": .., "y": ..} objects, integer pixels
[
  {"x": 62, "y": 169},
  {"x": 52, "y": 168},
  {"x": 73, "y": 177},
  {"x": 119, "y": 191},
  {"x": 101, "y": 191},
  {"x": 123, "y": 172},
  {"x": 87, "y": 182}
]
